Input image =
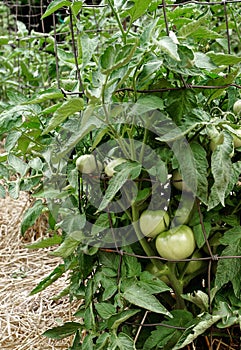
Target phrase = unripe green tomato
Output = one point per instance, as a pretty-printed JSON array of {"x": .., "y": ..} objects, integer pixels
[
  {"x": 152, "y": 222},
  {"x": 237, "y": 107},
  {"x": 193, "y": 266},
  {"x": 109, "y": 169},
  {"x": 215, "y": 141},
  {"x": 178, "y": 183},
  {"x": 177, "y": 243},
  {"x": 87, "y": 164},
  {"x": 236, "y": 139}
]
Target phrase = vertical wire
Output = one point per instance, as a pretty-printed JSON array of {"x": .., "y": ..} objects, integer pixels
[
  {"x": 56, "y": 52},
  {"x": 165, "y": 16},
  {"x": 227, "y": 29},
  {"x": 74, "y": 49}
]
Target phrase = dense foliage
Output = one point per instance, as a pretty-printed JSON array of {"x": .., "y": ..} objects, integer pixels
[{"x": 151, "y": 84}]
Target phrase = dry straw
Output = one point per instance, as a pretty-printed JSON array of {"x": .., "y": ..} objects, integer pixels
[{"x": 24, "y": 318}]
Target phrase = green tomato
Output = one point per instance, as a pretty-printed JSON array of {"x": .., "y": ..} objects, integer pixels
[
  {"x": 177, "y": 243},
  {"x": 110, "y": 167},
  {"x": 215, "y": 141},
  {"x": 237, "y": 139},
  {"x": 87, "y": 164},
  {"x": 178, "y": 183},
  {"x": 152, "y": 222},
  {"x": 193, "y": 266},
  {"x": 237, "y": 107}
]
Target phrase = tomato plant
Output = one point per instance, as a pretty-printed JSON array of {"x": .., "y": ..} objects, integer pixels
[{"x": 129, "y": 82}]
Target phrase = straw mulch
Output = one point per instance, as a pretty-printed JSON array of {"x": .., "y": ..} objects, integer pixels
[{"x": 24, "y": 318}]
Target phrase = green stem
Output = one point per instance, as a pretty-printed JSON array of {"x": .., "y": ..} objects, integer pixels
[
  {"x": 176, "y": 285},
  {"x": 118, "y": 21}
]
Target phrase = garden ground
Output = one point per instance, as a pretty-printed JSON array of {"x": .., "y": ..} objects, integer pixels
[{"x": 24, "y": 318}]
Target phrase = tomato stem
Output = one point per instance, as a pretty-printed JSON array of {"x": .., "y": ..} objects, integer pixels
[{"x": 176, "y": 284}]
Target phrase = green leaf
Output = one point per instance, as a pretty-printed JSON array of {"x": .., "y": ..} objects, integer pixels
[
  {"x": 221, "y": 59},
  {"x": 201, "y": 324},
  {"x": 122, "y": 342},
  {"x": 13, "y": 189},
  {"x": 67, "y": 109},
  {"x": 201, "y": 167},
  {"x": 18, "y": 164},
  {"x": 152, "y": 284},
  {"x": 55, "y": 5},
  {"x": 51, "y": 278},
  {"x": 117, "y": 319},
  {"x": 76, "y": 7},
  {"x": 90, "y": 121},
  {"x": 110, "y": 287},
  {"x": 11, "y": 140},
  {"x": 180, "y": 103},
  {"x": 166, "y": 337},
  {"x": 88, "y": 46},
  {"x": 148, "y": 103},
  {"x": 64, "y": 331},
  {"x": 132, "y": 265},
  {"x": 141, "y": 297},
  {"x": 229, "y": 270},
  {"x": 116, "y": 57},
  {"x": 67, "y": 247},
  {"x": 46, "y": 242},
  {"x": 73, "y": 225},
  {"x": 203, "y": 61},
  {"x": 46, "y": 95},
  {"x": 166, "y": 45},
  {"x": 198, "y": 233},
  {"x": 31, "y": 215},
  {"x": 105, "y": 310},
  {"x": 3, "y": 171},
  {"x": 221, "y": 167},
  {"x": 131, "y": 171},
  {"x": 198, "y": 298},
  {"x": 88, "y": 342},
  {"x": 225, "y": 80},
  {"x": 2, "y": 191},
  {"x": 102, "y": 341},
  {"x": 139, "y": 9}
]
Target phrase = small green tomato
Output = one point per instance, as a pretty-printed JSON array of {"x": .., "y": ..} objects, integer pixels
[
  {"x": 152, "y": 222},
  {"x": 87, "y": 164},
  {"x": 177, "y": 243},
  {"x": 237, "y": 107},
  {"x": 193, "y": 266},
  {"x": 237, "y": 139},
  {"x": 216, "y": 141}
]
